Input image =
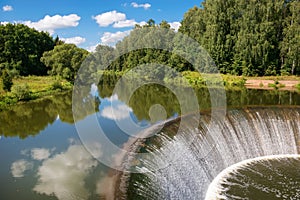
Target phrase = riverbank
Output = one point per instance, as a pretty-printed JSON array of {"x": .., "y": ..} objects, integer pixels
[
  {"x": 31, "y": 88},
  {"x": 290, "y": 83},
  {"x": 230, "y": 82},
  {"x": 35, "y": 87}
]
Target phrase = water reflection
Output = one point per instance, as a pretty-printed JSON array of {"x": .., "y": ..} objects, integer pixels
[
  {"x": 19, "y": 167},
  {"x": 40, "y": 153},
  {"x": 118, "y": 112},
  {"x": 64, "y": 174},
  {"x": 46, "y": 165},
  {"x": 30, "y": 118}
]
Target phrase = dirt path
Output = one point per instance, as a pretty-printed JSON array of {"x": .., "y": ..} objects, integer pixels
[{"x": 264, "y": 84}]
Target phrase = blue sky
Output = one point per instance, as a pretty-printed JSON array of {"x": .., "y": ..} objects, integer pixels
[{"x": 91, "y": 22}]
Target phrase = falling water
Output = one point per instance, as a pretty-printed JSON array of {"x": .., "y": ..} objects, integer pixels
[{"x": 182, "y": 165}]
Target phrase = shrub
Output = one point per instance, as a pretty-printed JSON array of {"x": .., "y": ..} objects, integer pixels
[
  {"x": 57, "y": 86},
  {"x": 21, "y": 92},
  {"x": 6, "y": 81}
]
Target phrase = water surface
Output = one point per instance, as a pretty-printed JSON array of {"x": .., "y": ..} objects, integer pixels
[{"x": 42, "y": 156}]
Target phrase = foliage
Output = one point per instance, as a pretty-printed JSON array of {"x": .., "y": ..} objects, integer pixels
[
  {"x": 276, "y": 85},
  {"x": 57, "y": 85},
  {"x": 21, "y": 92},
  {"x": 27, "y": 118},
  {"x": 64, "y": 60},
  {"x": 22, "y": 47},
  {"x": 37, "y": 87},
  {"x": 251, "y": 38},
  {"x": 6, "y": 81}
]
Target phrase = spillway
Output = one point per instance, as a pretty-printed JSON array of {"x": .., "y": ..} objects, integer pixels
[{"x": 183, "y": 163}]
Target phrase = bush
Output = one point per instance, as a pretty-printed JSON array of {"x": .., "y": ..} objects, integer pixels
[
  {"x": 261, "y": 84},
  {"x": 6, "y": 81},
  {"x": 57, "y": 86},
  {"x": 21, "y": 92}
]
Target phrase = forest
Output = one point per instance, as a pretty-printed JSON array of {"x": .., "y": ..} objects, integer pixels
[{"x": 243, "y": 37}]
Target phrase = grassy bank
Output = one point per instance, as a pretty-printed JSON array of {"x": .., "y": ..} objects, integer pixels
[
  {"x": 30, "y": 88},
  {"x": 230, "y": 82},
  {"x": 191, "y": 79}
]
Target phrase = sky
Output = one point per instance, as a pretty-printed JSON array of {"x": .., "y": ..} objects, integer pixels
[{"x": 88, "y": 23}]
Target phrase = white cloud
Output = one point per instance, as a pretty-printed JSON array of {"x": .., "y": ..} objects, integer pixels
[
  {"x": 175, "y": 25},
  {"x": 7, "y": 8},
  {"x": 108, "y": 18},
  {"x": 64, "y": 175},
  {"x": 4, "y": 23},
  {"x": 109, "y": 38},
  {"x": 106, "y": 186},
  {"x": 128, "y": 23},
  {"x": 125, "y": 23},
  {"x": 40, "y": 153},
  {"x": 92, "y": 48},
  {"x": 74, "y": 40},
  {"x": 118, "y": 112},
  {"x": 145, "y": 5},
  {"x": 50, "y": 23},
  {"x": 19, "y": 167},
  {"x": 142, "y": 23}
]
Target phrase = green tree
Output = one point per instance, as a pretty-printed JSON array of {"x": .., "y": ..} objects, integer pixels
[
  {"x": 250, "y": 37},
  {"x": 22, "y": 47},
  {"x": 290, "y": 46},
  {"x": 64, "y": 60}
]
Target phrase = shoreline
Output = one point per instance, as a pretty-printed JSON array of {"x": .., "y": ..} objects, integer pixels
[{"x": 265, "y": 84}]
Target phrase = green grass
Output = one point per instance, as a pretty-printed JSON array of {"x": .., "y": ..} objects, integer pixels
[
  {"x": 276, "y": 85},
  {"x": 229, "y": 81},
  {"x": 31, "y": 87}
]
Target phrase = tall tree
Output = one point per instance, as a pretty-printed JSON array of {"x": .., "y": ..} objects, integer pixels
[
  {"x": 64, "y": 60},
  {"x": 290, "y": 46},
  {"x": 22, "y": 47}
]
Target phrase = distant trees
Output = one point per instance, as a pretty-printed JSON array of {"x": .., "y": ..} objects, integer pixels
[
  {"x": 64, "y": 60},
  {"x": 257, "y": 37},
  {"x": 22, "y": 47},
  {"x": 290, "y": 46},
  {"x": 133, "y": 49},
  {"x": 253, "y": 38}
]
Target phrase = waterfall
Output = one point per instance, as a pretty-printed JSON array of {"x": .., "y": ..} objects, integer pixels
[{"x": 182, "y": 165}]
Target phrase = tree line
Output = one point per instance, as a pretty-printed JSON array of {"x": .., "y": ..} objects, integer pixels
[
  {"x": 25, "y": 51},
  {"x": 248, "y": 37},
  {"x": 243, "y": 37}
]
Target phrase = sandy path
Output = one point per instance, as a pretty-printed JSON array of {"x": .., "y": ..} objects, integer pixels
[{"x": 263, "y": 84}]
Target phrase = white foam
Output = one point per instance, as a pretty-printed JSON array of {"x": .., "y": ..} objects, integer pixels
[{"x": 214, "y": 188}]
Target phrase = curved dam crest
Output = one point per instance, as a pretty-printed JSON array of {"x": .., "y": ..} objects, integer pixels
[{"x": 216, "y": 144}]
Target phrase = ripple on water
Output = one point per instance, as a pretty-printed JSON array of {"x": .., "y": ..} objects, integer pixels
[{"x": 268, "y": 177}]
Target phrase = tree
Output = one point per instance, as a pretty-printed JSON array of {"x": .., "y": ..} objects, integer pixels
[
  {"x": 22, "y": 47},
  {"x": 249, "y": 37},
  {"x": 290, "y": 46},
  {"x": 64, "y": 60}
]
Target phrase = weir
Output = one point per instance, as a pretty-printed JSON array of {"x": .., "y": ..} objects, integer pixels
[{"x": 182, "y": 165}]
